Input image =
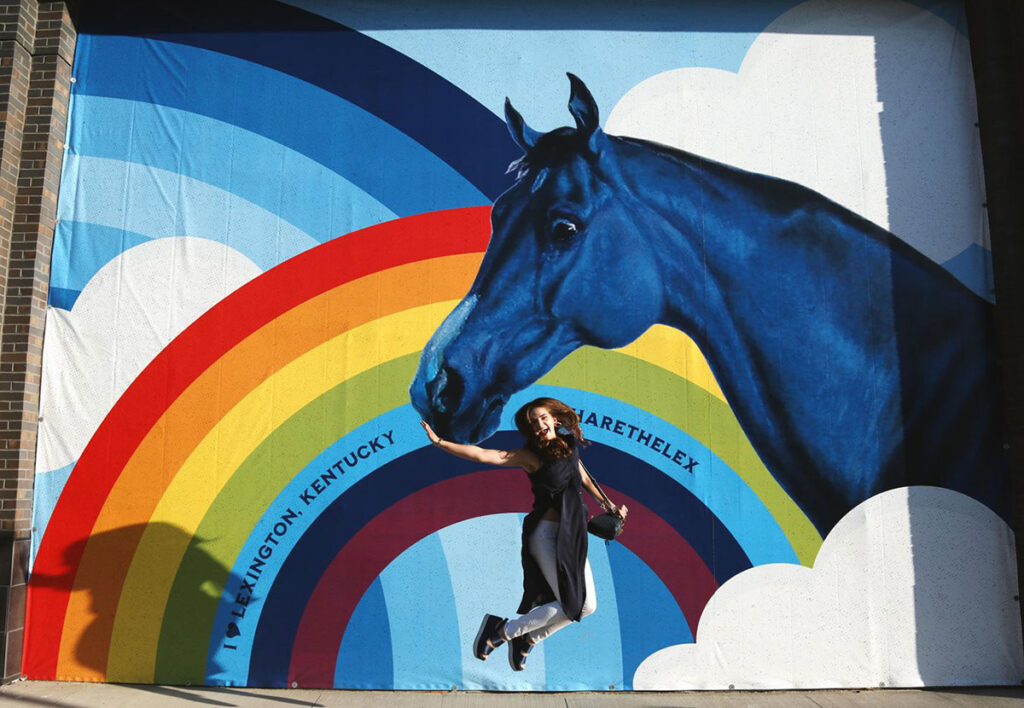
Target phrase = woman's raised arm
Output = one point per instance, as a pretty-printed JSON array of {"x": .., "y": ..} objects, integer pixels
[{"x": 485, "y": 456}]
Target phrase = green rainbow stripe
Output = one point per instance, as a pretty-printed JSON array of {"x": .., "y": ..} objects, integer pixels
[
  {"x": 704, "y": 417},
  {"x": 184, "y": 636}
]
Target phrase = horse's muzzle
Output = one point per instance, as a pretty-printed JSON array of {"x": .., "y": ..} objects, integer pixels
[
  {"x": 445, "y": 409},
  {"x": 445, "y": 391}
]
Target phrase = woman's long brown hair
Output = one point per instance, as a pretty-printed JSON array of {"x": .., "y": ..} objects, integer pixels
[{"x": 566, "y": 417}]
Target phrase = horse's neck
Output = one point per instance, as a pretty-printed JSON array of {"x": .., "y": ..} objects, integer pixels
[
  {"x": 748, "y": 256},
  {"x": 774, "y": 283},
  {"x": 738, "y": 243},
  {"x": 834, "y": 342}
]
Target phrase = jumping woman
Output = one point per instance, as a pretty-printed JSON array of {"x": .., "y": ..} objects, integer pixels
[{"x": 558, "y": 586}]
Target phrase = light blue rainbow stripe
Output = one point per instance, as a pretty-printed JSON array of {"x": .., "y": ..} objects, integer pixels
[
  {"x": 649, "y": 617},
  {"x": 472, "y": 568},
  {"x": 80, "y": 249},
  {"x": 232, "y": 666},
  {"x": 268, "y": 174},
  {"x": 125, "y": 196},
  {"x": 420, "y": 597},
  {"x": 727, "y": 496},
  {"x": 713, "y": 482},
  {"x": 483, "y": 559},
  {"x": 365, "y": 652},
  {"x": 598, "y": 637},
  {"x": 385, "y": 163}
]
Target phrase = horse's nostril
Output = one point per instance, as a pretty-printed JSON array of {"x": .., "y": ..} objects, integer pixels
[
  {"x": 446, "y": 390},
  {"x": 435, "y": 387}
]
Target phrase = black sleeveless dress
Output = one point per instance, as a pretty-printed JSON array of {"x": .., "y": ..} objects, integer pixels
[{"x": 558, "y": 484}]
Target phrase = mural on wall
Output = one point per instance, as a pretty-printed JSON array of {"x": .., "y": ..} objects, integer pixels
[{"x": 277, "y": 251}]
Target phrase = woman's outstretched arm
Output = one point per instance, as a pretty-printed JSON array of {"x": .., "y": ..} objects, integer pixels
[
  {"x": 486, "y": 456},
  {"x": 591, "y": 488}
]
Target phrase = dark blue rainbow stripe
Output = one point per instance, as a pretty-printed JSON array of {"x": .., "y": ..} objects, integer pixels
[
  {"x": 428, "y": 108},
  {"x": 341, "y": 520}
]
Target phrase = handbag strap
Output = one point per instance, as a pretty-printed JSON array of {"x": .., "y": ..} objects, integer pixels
[{"x": 607, "y": 501}]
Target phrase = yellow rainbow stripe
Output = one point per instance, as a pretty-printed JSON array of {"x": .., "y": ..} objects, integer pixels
[{"x": 227, "y": 442}]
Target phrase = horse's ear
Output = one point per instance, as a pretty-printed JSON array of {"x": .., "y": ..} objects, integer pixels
[
  {"x": 583, "y": 107},
  {"x": 524, "y": 135}
]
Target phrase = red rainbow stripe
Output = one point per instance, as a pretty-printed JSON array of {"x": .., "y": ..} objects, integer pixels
[
  {"x": 229, "y": 322},
  {"x": 330, "y": 607}
]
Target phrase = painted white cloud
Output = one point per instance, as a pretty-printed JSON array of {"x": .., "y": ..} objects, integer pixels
[
  {"x": 129, "y": 311},
  {"x": 913, "y": 587},
  {"x": 819, "y": 93}
]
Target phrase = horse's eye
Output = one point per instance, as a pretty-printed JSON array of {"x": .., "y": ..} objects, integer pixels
[{"x": 563, "y": 229}]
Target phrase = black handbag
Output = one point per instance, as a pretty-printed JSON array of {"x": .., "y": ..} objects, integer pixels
[{"x": 607, "y": 526}]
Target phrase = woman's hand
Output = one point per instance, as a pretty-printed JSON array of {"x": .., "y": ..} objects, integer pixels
[
  {"x": 619, "y": 511},
  {"x": 499, "y": 458},
  {"x": 435, "y": 439}
]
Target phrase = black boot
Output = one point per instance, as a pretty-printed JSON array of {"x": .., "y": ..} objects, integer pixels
[
  {"x": 489, "y": 637},
  {"x": 518, "y": 649}
]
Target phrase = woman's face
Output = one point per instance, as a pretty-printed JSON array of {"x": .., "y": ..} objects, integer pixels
[{"x": 544, "y": 425}]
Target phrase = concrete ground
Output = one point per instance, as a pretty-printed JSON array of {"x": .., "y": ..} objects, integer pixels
[{"x": 88, "y": 695}]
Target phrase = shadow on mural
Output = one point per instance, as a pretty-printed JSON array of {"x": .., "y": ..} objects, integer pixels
[{"x": 98, "y": 600}]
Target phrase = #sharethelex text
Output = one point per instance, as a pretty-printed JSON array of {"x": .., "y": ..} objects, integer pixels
[
  {"x": 246, "y": 597},
  {"x": 633, "y": 432}
]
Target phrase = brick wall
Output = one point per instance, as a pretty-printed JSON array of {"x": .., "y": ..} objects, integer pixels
[{"x": 37, "y": 41}]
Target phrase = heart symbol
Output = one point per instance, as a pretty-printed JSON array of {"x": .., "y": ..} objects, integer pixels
[{"x": 233, "y": 630}]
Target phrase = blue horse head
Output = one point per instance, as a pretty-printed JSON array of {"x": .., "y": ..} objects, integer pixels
[
  {"x": 821, "y": 327},
  {"x": 546, "y": 285}
]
